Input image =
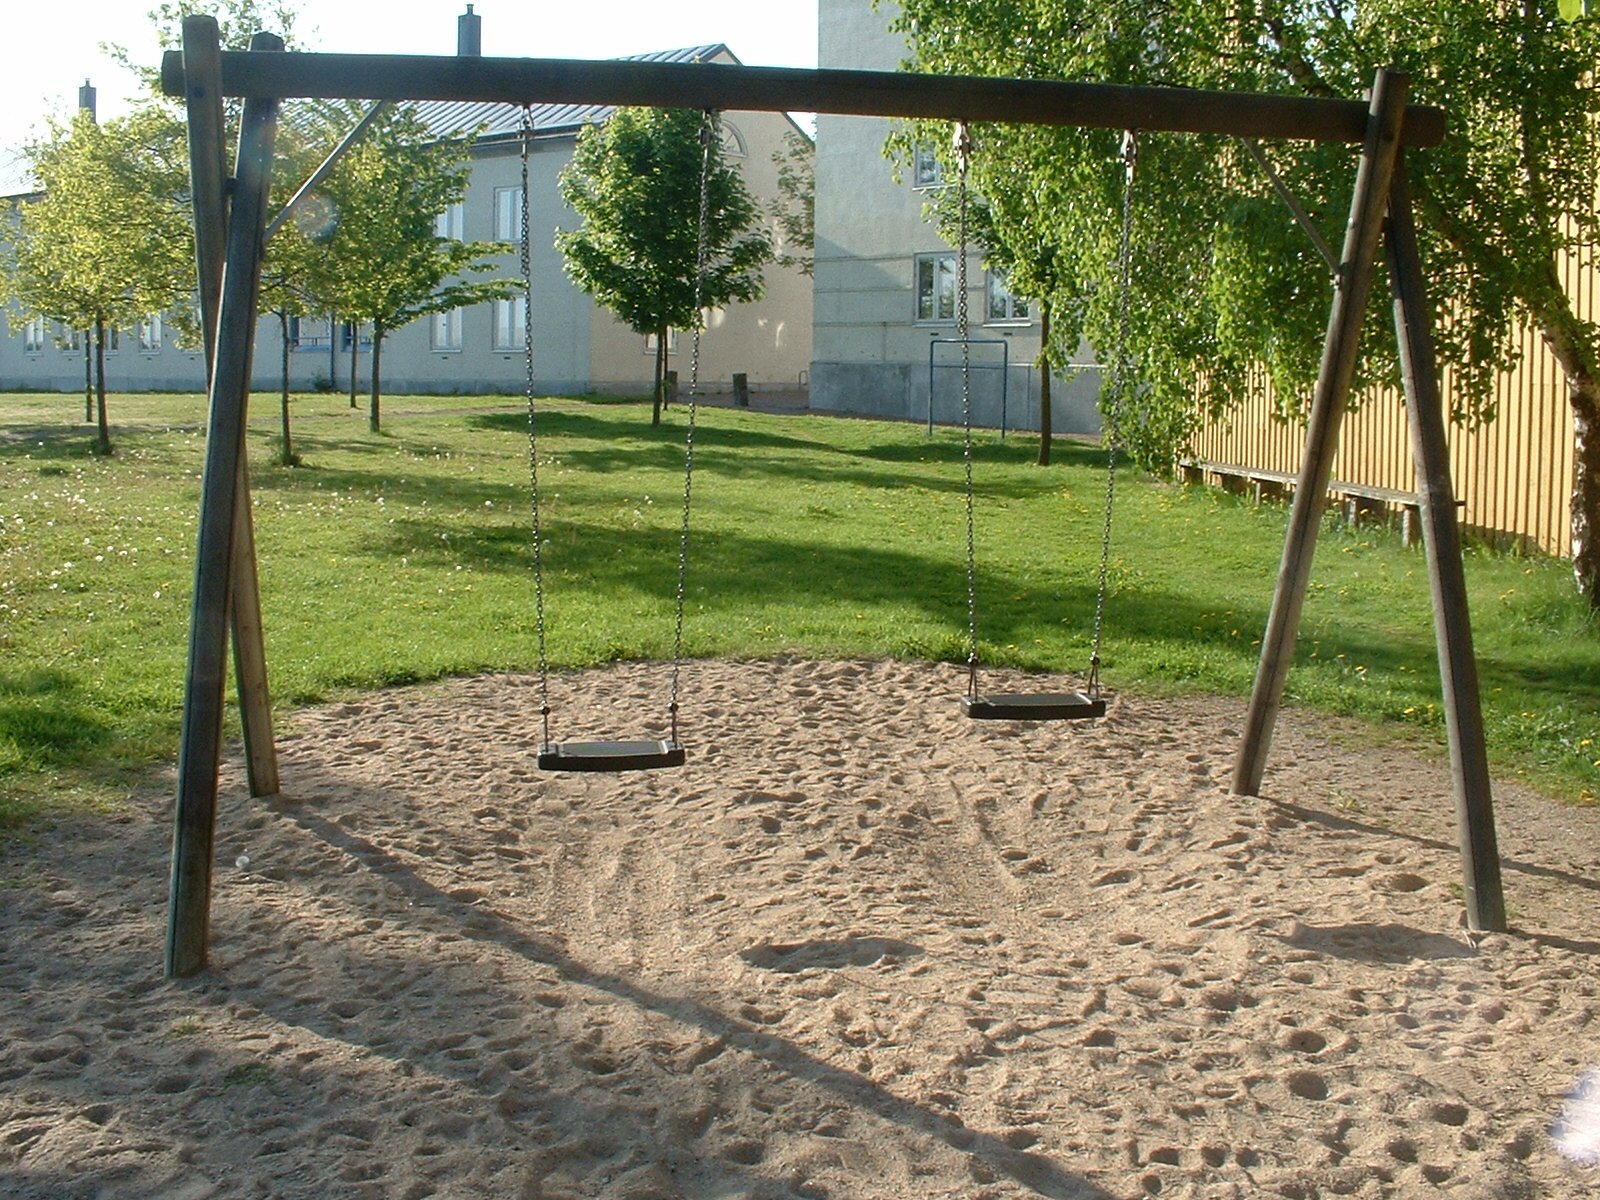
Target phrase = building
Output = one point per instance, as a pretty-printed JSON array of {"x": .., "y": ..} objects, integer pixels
[
  {"x": 884, "y": 307},
  {"x": 578, "y": 346}
]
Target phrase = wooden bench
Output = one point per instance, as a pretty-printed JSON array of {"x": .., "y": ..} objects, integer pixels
[{"x": 1357, "y": 500}]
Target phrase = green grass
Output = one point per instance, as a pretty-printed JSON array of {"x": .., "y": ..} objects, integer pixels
[{"x": 407, "y": 556}]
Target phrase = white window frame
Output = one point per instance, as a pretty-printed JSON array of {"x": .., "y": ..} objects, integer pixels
[
  {"x": 927, "y": 171},
  {"x": 927, "y": 294},
  {"x": 33, "y": 335},
  {"x": 451, "y": 223},
  {"x": 508, "y": 214},
  {"x": 733, "y": 143},
  {"x": 150, "y": 334},
  {"x": 510, "y": 326},
  {"x": 672, "y": 343},
  {"x": 1014, "y": 309},
  {"x": 444, "y": 331}
]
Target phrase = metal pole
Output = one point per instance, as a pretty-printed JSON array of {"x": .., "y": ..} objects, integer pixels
[
  {"x": 1452, "y": 624},
  {"x": 194, "y": 832},
  {"x": 1351, "y": 290}
]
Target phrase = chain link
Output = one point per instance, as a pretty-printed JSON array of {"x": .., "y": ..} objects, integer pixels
[
  {"x": 708, "y": 142},
  {"x": 526, "y": 262},
  {"x": 963, "y": 149},
  {"x": 1119, "y": 386}
]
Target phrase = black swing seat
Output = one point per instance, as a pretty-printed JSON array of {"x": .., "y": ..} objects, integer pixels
[
  {"x": 1035, "y": 706},
  {"x": 611, "y": 756}
]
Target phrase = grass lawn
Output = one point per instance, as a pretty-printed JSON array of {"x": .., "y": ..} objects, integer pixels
[{"x": 408, "y": 555}]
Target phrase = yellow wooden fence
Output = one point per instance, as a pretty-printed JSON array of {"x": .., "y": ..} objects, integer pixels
[{"x": 1513, "y": 475}]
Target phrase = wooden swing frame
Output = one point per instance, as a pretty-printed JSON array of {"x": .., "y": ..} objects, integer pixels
[{"x": 230, "y": 219}]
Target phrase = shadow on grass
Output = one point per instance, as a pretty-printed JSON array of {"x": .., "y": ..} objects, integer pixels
[{"x": 46, "y": 721}]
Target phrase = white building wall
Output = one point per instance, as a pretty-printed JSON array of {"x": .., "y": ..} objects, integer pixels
[{"x": 871, "y": 353}]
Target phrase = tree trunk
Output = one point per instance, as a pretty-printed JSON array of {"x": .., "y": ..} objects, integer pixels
[
  {"x": 1045, "y": 432},
  {"x": 103, "y": 433},
  {"x": 88, "y": 378},
  {"x": 1585, "y": 397},
  {"x": 1568, "y": 341},
  {"x": 377, "y": 375},
  {"x": 287, "y": 449},
  {"x": 661, "y": 375},
  {"x": 355, "y": 341}
]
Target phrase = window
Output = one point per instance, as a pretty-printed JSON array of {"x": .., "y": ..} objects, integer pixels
[
  {"x": 936, "y": 287},
  {"x": 1002, "y": 305},
  {"x": 451, "y": 223},
  {"x": 926, "y": 170},
  {"x": 310, "y": 333},
  {"x": 650, "y": 343},
  {"x": 509, "y": 328},
  {"x": 508, "y": 214},
  {"x": 33, "y": 334},
  {"x": 446, "y": 329},
  {"x": 733, "y": 143},
  {"x": 150, "y": 333}
]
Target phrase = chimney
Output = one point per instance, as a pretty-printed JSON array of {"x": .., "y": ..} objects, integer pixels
[
  {"x": 469, "y": 34},
  {"x": 86, "y": 99}
]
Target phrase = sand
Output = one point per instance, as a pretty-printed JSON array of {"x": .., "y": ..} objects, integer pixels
[{"x": 858, "y": 947}]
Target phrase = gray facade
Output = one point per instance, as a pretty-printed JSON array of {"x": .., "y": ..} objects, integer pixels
[{"x": 872, "y": 328}]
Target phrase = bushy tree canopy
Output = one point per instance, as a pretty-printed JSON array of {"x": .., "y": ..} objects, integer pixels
[
  {"x": 1224, "y": 278},
  {"x": 635, "y": 184}
]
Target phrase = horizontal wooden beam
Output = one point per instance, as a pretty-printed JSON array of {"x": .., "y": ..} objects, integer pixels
[{"x": 728, "y": 87}]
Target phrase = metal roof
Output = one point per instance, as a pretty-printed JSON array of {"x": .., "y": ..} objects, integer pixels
[{"x": 457, "y": 118}]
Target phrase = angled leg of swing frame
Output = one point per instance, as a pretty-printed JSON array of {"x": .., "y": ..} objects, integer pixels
[
  {"x": 1386, "y": 114},
  {"x": 194, "y": 833},
  {"x": 1452, "y": 625},
  {"x": 202, "y": 66}
]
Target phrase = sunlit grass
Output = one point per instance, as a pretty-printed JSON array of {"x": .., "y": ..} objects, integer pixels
[{"x": 408, "y": 556}]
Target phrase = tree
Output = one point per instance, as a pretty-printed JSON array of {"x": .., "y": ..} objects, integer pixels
[
  {"x": 388, "y": 264},
  {"x": 794, "y": 209},
  {"x": 635, "y": 184},
  {"x": 106, "y": 242},
  {"x": 297, "y": 279},
  {"x": 1226, "y": 281}
]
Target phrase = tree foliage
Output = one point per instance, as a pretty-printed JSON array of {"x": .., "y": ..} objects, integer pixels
[
  {"x": 794, "y": 209},
  {"x": 634, "y": 183},
  {"x": 1224, "y": 279},
  {"x": 106, "y": 241},
  {"x": 384, "y": 263}
]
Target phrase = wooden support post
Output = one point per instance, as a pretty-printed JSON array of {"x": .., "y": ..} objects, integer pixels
[
  {"x": 188, "y": 916},
  {"x": 1452, "y": 626},
  {"x": 732, "y": 88},
  {"x": 1351, "y": 290},
  {"x": 203, "y": 98}
]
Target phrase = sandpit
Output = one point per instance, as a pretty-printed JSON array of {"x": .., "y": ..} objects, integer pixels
[{"x": 857, "y": 947}]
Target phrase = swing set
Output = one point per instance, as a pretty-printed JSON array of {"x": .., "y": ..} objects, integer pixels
[{"x": 229, "y": 236}]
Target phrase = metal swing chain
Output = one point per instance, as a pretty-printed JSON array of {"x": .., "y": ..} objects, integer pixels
[
  {"x": 963, "y": 148},
  {"x": 1119, "y": 384},
  {"x": 708, "y": 139},
  {"x": 526, "y": 262}
]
